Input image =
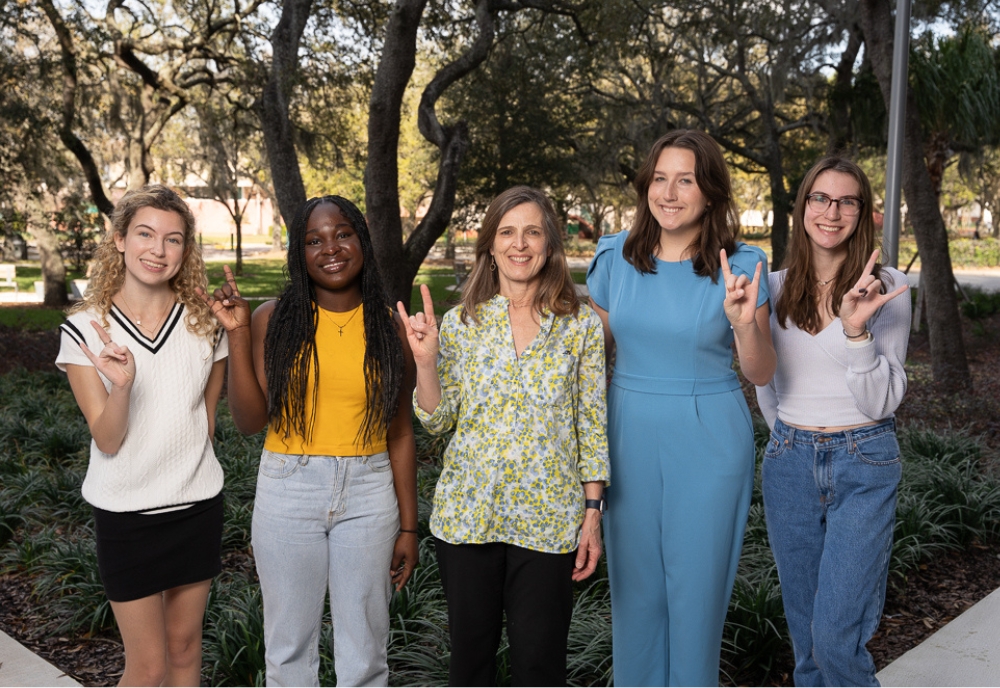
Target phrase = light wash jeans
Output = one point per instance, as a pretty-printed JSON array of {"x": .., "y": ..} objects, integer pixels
[
  {"x": 830, "y": 503},
  {"x": 318, "y": 521}
]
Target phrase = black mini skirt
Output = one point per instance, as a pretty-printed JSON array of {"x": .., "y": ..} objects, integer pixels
[{"x": 142, "y": 554}]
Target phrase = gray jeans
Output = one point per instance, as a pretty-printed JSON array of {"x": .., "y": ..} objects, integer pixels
[{"x": 319, "y": 521}]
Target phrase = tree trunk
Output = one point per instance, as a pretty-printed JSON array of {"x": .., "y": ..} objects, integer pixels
[
  {"x": 948, "y": 361},
  {"x": 67, "y": 50},
  {"x": 53, "y": 268},
  {"x": 840, "y": 95},
  {"x": 399, "y": 57},
  {"x": 780, "y": 201},
  {"x": 238, "y": 220},
  {"x": 779, "y": 205},
  {"x": 276, "y": 233},
  {"x": 399, "y": 262},
  {"x": 273, "y": 107}
]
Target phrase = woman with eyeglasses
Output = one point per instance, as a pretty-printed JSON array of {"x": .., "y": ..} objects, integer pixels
[{"x": 831, "y": 467}]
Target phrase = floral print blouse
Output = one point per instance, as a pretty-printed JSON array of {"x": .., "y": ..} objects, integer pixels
[{"x": 528, "y": 430}]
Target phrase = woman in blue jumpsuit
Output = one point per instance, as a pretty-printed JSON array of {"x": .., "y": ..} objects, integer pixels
[{"x": 674, "y": 295}]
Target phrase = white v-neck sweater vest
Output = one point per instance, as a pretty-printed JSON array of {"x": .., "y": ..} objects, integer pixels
[
  {"x": 166, "y": 458},
  {"x": 822, "y": 382}
]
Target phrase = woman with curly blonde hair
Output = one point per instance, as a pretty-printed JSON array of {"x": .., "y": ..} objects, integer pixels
[{"x": 146, "y": 360}]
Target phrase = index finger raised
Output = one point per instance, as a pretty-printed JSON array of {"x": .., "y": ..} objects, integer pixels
[
  {"x": 871, "y": 262},
  {"x": 425, "y": 294},
  {"x": 405, "y": 317},
  {"x": 105, "y": 337},
  {"x": 724, "y": 262},
  {"x": 231, "y": 279}
]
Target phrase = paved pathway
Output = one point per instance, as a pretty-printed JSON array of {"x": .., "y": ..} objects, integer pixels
[
  {"x": 19, "y": 666},
  {"x": 987, "y": 279},
  {"x": 966, "y": 652}
]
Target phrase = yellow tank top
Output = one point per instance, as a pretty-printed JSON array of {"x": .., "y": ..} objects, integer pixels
[{"x": 341, "y": 401}]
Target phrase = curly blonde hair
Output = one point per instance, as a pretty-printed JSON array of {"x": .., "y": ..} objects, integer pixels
[{"x": 108, "y": 273}]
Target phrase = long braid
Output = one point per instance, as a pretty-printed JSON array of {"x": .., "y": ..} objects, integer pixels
[{"x": 290, "y": 342}]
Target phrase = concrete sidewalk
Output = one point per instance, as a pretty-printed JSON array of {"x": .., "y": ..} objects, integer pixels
[
  {"x": 986, "y": 279},
  {"x": 966, "y": 652},
  {"x": 19, "y": 666}
]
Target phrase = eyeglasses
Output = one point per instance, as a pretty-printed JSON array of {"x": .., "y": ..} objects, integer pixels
[{"x": 849, "y": 205}]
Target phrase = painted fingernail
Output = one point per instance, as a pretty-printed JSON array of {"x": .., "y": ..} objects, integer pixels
[{"x": 863, "y": 291}]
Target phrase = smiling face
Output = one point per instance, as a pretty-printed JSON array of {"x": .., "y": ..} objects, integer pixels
[
  {"x": 676, "y": 202},
  {"x": 829, "y": 231},
  {"x": 153, "y": 246},
  {"x": 519, "y": 248},
  {"x": 333, "y": 255}
]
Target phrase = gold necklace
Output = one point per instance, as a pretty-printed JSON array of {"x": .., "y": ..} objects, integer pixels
[
  {"x": 823, "y": 283},
  {"x": 340, "y": 327},
  {"x": 137, "y": 321}
]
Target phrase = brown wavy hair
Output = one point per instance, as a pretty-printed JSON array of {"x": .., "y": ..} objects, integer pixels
[
  {"x": 799, "y": 299},
  {"x": 108, "y": 272},
  {"x": 556, "y": 291},
  {"x": 720, "y": 224}
]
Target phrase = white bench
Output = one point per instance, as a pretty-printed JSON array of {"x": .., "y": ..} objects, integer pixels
[
  {"x": 8, "y": 271},
  {"x": 78, "y": 288}
]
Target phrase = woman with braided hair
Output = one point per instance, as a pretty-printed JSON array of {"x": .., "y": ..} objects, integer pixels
[{"x": 328, "y": 369}]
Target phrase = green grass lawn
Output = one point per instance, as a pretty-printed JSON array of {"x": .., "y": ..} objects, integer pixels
[
  {"x": 29, "y": 273},
  {"x": 31, "y": 318},
  {"x": 261, "y": 276}
]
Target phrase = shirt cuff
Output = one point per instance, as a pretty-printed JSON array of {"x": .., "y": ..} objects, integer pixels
[{"x": 434, "y": 420}]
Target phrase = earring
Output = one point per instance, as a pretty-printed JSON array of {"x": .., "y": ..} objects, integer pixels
[{"x": 493, "y": 264}]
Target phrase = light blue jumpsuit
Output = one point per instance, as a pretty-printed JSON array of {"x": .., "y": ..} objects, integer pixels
[{"x": 682, "y": 464}]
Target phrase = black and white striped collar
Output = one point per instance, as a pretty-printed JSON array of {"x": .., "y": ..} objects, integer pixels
[{"x": 154, "y": 344}]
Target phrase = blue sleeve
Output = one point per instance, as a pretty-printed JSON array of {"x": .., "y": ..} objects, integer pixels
[
  {"x": 744, "y": 262},
  {"x": 599, "y": 272}
]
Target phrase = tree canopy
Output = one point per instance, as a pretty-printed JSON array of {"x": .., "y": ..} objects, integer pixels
[{"x": 441, "y": 104}]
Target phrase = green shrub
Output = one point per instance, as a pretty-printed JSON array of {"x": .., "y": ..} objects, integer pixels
[
  {"x": 67, "y": 577},
  {"x": 234, "y": 634},
  {"x": 981, "y": 304},
  {"x": 946, "y": 501}
]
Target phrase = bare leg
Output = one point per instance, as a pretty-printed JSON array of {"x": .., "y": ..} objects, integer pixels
[
  {"x": 162, "y": 636},
  {"x": 184, "y": 613},
  {"x": 142, "y": 627}
]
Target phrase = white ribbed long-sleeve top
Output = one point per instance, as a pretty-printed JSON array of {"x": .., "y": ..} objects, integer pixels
[{"x": 824, "y": 380}]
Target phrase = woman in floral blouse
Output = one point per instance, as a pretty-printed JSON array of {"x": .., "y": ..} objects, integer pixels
[{"x": 517, "y": 371}]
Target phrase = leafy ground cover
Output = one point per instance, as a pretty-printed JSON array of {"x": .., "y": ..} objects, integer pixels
[{"x": 51, "y": 598}]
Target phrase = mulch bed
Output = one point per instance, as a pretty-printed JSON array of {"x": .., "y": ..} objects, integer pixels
[
  {"x": 29, "y": 350},
  {"x": 930, "y": 596},
  {"x": 90, "y": 660}
]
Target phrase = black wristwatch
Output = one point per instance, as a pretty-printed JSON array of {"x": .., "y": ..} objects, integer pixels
[{"x": 598, "y": 504}]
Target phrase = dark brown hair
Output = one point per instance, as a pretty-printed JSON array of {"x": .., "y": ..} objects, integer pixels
[
  {"x": 719, "y": 226},
  {"x": 799, "y": 299},
  {"x": 556, "y": 291}
]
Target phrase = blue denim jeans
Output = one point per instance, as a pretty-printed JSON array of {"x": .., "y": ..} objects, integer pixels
[
  {"x": 830, "y": 503},
  {"x": 323, "y": 521}
]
